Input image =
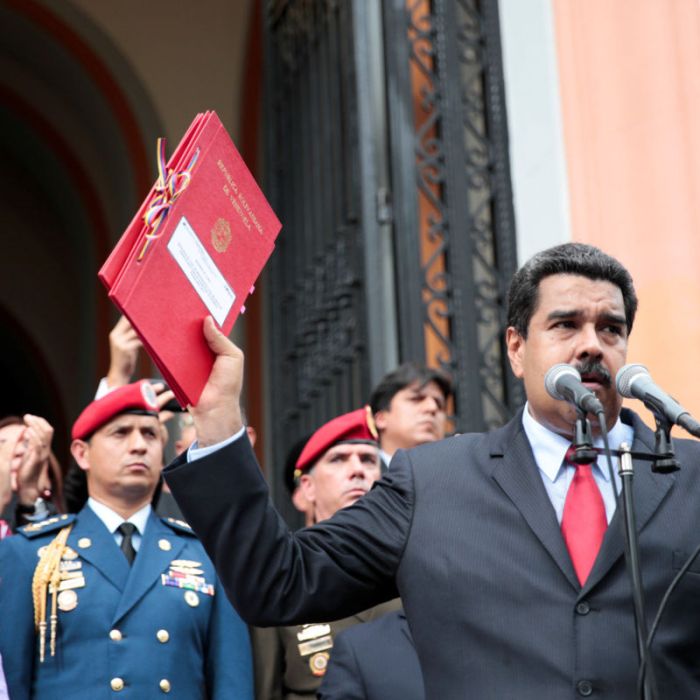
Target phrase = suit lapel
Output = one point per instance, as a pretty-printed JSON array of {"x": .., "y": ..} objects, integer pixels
[
  {"x": 102, "y": 551},
  {"x": 150, "y": 562},
  {"x": 518, "y": 475},
  {"x": 649, "y": 488}
]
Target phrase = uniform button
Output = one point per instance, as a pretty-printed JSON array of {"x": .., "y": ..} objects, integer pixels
[
  {"x": 163, "y": 636},
  {"x": 583, "y": 608},
  {"x": 584, "y": 688},
  {"x": 165, "y": 685},
  {"x": 115, "y": 635},
  {"x": 117, "y": 684}
]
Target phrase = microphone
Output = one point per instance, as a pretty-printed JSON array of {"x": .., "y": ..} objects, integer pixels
[
  {"x": 634, "y": 382},
  {"x": 563, "y": 382}
]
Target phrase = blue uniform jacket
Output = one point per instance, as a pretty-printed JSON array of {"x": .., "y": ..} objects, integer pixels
[{"x": 129, "y": 636}]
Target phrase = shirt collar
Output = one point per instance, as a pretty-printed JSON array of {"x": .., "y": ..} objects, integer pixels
[
  {"x": 113, "y": 520},
  {"x": 549, "y": 448}
]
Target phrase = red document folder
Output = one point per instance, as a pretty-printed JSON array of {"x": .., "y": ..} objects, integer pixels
[{"x": 194, "y": 248}]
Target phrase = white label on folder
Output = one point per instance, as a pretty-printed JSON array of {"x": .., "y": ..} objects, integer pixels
[{"x": 201, "y": 271}]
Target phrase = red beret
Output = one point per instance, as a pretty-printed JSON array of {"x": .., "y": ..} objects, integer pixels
[
  {"x": 356, "y": 426},
  {"x": 132, "y": 398}
]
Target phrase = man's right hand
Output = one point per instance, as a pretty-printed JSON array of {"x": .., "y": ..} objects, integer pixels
[{"x": 217, "y": 415}]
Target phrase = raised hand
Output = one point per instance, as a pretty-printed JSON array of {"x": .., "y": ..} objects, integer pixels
[
  {"x": 30, "y": 458},
  {"x": 124, "y": 346},
  {"x": 217, "y": 415}
]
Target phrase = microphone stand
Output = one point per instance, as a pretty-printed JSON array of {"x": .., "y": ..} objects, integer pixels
[
  {"x": 663, "y": 458},
  {"x": 665, "y": 462},
  {"x": 626, "y": 472},
  {"x": 584, "y": 452}
]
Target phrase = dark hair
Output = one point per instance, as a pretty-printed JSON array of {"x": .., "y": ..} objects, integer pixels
[
  {"x": 10, "y": 420},
  {"x": 567, "y": 259},
  {"x": 405, "y": 375}
]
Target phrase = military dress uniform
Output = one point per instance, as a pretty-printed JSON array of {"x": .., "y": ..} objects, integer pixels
[
  {"x": 290, "y": 662},
  {"x": 160, "y": 627}
]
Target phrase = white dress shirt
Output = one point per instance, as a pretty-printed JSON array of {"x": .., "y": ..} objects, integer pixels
[
  {"x": 113, "y": 520},
  {"x": 549, "y": 449}
]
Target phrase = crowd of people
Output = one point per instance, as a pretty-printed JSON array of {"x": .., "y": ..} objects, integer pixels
[
  {"x": 105, "y": 588},
  {"x": 486, "y": 565}
]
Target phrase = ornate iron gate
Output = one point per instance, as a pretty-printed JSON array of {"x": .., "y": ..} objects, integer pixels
[
  {"x": 386, "y": 160},
  {"x": 449, "y": 153}
]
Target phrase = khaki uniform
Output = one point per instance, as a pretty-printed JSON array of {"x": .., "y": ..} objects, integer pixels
[{"x": 290, "y": 662}]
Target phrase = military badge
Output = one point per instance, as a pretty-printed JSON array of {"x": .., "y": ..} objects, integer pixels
[
  {"x": 314, "y": 638},
  {"x": 67, "y": 601},
  {"x": 319, "y": 662},
  {"x": 187, "y": 575}
]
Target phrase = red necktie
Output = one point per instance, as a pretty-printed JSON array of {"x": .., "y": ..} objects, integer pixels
[{"x": 583, "y": 524}]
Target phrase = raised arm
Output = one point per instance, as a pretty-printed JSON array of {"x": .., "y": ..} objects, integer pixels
[{"x": 328, "y": 571}]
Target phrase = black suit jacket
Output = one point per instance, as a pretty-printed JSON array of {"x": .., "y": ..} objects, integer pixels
[
  {"x": 464, "y": 529},
  {"x": 374, "y": 661}
]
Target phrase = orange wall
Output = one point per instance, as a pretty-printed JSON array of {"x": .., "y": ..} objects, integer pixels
[{"x": 629, "y": 74}]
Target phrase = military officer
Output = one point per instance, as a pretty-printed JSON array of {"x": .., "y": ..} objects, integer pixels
[
  {"x": 336, "y": 467},
  {"x": 113, "y": 601}
]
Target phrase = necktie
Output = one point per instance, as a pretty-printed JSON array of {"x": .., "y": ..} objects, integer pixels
[
  {"x": 127, "y": 546},
  {"x": 583, "y": 523}
]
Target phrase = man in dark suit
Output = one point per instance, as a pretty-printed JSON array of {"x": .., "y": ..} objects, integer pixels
[
  {"x": 374, "y": 661},
  {"x": 506, "y": 595},
  {"x": 81, "y": 619}
]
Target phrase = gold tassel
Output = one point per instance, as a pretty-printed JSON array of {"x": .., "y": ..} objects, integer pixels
[{"x": 46, "y": 579}]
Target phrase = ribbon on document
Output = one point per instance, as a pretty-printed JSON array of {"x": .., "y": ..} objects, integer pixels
[{"x": 169, "y": 186}]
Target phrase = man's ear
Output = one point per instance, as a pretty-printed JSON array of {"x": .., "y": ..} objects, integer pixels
[
  {"x": 307, "y": 486},
  {"x": 299, "y": 500},
  {"x": 79, "y": 449},
  {"x": 515, "y": 344},
  {"x": 380, "y": 419}
]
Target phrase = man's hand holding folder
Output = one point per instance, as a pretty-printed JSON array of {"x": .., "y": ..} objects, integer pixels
[{"x": 195, "y": 248}]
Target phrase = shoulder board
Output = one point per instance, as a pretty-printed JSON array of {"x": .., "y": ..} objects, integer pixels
[
  {"x": 43, "y": 527},
  {"x": 178, "y": 525}
]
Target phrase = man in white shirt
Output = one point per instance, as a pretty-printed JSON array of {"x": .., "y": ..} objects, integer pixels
[{"x": 506, "y": 594}]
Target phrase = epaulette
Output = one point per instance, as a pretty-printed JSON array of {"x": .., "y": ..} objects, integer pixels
[
  {"x": 55, "y": 522},
  {"x": 178, "y": 525}
]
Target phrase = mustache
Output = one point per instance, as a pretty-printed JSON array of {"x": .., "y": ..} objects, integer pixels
[{"x": 596, "y": 368}]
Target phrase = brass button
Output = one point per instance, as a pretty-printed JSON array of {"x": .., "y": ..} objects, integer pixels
[
  {"x": 84, "y": 542},
  {"x": 117, "y": 684},
  {"x": 163, "y": 636},
  {"x": 165, "y": 545},
  {"x": 165, "y": 685},
  {"x": 115, "y": 635}
]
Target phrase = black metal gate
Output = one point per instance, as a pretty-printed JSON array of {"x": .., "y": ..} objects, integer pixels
[{"x": 386, "y": 159}]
